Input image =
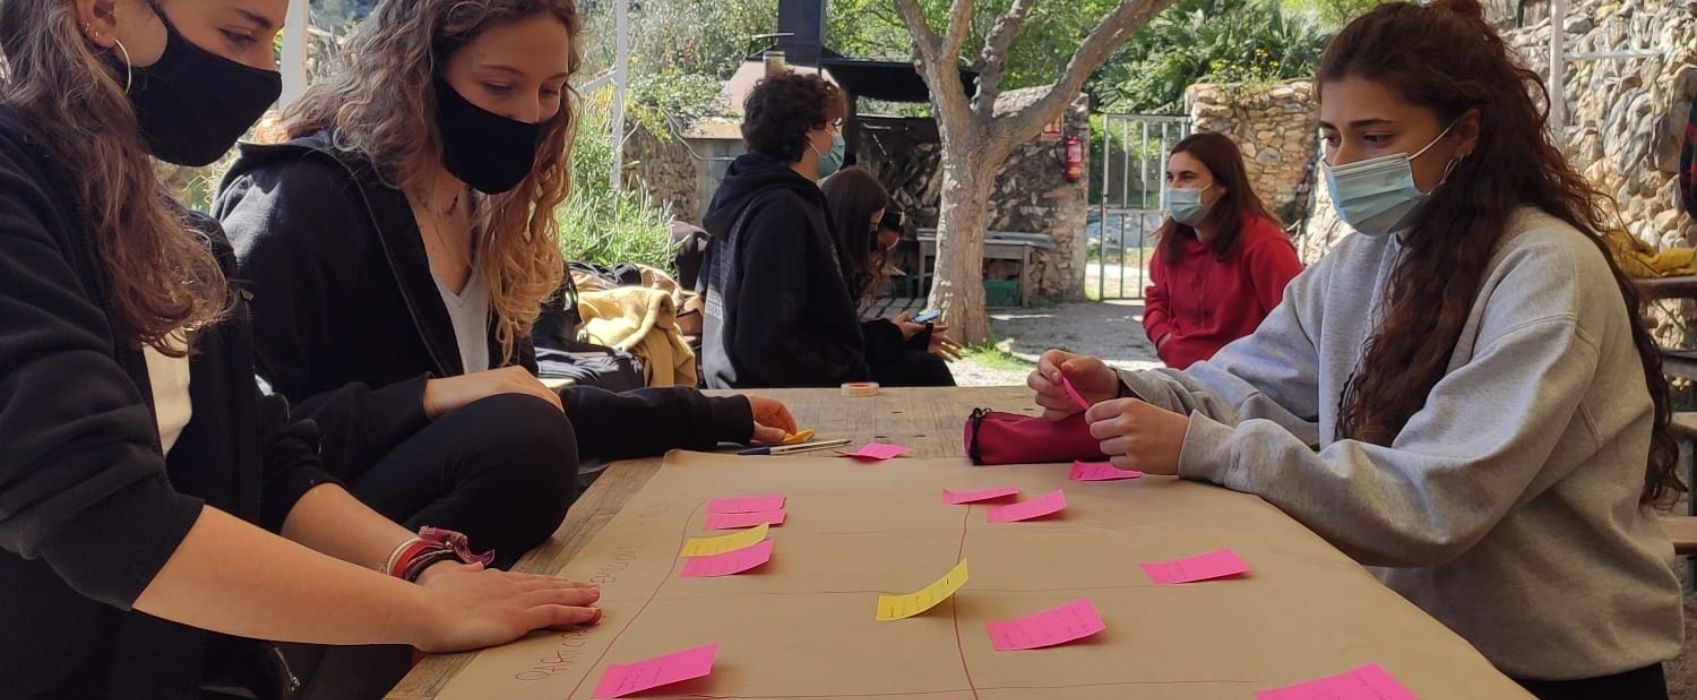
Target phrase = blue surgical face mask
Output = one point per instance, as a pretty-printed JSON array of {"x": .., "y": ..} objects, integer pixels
[
  {"x": 1185, "y": 205},
  {"x": 831, "y": 162},
  {"x": 1377, "y": 196}
]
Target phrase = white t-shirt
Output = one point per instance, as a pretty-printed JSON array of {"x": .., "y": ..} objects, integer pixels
[{"x": 169, "y": 377}]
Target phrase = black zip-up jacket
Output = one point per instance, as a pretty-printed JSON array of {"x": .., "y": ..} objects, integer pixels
[
  {"x": 778, "y": 310},
  {"x": 349, "y": 323},
  {"x": 89, "y": 509}
]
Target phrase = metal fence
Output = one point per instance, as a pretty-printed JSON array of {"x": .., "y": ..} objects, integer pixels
[{"x": 1126, "y": 199}]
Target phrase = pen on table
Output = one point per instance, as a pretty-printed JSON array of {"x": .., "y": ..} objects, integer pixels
[{"x": 786, "y": 449}]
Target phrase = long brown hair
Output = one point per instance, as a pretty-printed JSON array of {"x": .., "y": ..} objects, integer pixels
[
  {"x": 158, "y": 271},
  {"x": 381, "y": 101},
  {"x": 1445, "y": 57},
  {"x": 853, "y": 194},
  {"x": 1224, "y": 161}
]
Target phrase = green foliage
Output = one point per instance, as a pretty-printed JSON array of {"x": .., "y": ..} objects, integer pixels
[
  {"x": 871, "y": 29},
  {"x": 599, "y": 224},
  {"x": 1209, "y": 40},
  {"x": 694, "y": 37},
  {"x": 667, "y": 99}
]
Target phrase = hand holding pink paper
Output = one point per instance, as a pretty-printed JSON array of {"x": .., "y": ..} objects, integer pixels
[
  {"x": 1370, "y": 682},
  {"x": 955, "y": 498},
  {"x": 1100, "y": 471},
  {"x": 624, "y": 679},
  {"x": 1073, "y": 393},
  {"x": 1219, "y": 563},
  {"x": 1075, "y": 620},
  {"x": 875, "y": 452},
  {"x": 1046, "y": 504}
]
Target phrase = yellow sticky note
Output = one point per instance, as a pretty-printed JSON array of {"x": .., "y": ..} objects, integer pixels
[
  {"x": 896, "y": 607},
  {"x": 708, "y": 546},
  {"x": 797, "y": 438}
]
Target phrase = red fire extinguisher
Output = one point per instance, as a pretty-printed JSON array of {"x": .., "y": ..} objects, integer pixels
[{"x": 1074, "y": 159}]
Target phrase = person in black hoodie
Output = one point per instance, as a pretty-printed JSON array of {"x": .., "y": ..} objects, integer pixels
[
  {"x": 900, "y": 351},
  {"x": 145, "y": 477},
  {"x": 400, "y": 245},
  {"x": 778, "y": 312}
]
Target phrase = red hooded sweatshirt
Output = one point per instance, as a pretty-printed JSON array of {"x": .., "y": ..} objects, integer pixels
[{"x": 1204, "y": 302}]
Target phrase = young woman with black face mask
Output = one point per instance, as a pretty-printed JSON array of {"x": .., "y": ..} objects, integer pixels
[
  {"x": 400, "y": 247},
  {"x": 156, "y": 509}
]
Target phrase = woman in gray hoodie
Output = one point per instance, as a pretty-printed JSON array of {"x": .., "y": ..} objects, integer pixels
[{"x": 1462, "y": 395}]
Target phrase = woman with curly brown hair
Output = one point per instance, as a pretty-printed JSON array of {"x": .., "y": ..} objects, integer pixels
[
  {"x": 1462, "y": 393},
  {"x": 158, "y": 513},
  {"x": 778, "y": 310},
  {"x": 399, "y": 248}
]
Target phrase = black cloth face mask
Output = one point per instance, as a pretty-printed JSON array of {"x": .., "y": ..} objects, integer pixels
[
  {"x": 192, "y": 105},
  {"x": 485, "y": 150}
]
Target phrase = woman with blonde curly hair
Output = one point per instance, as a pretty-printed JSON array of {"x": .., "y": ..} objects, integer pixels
[
  {"x": 158, "y": 513},
  {"x": 399, "y": 248}
]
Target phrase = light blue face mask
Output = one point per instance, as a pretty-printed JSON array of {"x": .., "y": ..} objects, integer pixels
[
  {"x": 1185, "y": 205},
  {"x": 1377, "y": 196},
  {"x": 831, "y": 162}
]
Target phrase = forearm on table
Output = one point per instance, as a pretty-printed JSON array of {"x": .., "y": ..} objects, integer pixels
[
  {"x": 330, "y": 520},
  {"x": 231, "y": 577}
]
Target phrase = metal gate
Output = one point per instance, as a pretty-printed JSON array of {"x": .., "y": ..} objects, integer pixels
[{"x": 1126, "y": 194}]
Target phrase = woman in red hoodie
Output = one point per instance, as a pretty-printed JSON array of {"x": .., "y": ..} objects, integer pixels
[{"x": 1222, "y": 262}]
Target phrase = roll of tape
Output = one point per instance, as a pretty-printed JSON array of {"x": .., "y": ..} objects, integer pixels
[{"x": 860, "y": 389}]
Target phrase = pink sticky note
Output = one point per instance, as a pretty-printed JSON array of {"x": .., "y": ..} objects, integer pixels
[
  {"x": 1046, "y": 504},
  {"x": 1075, "y": 620},
  {"x": 1073, "y": 392},
  {"x": 1369, "y": 682},
  {"x": 1100, "y": 471},
  {"x": 1202, "y": 567},
  {"x": 734, "y": 521},
  {"x": 732, "y": 562},
  {"x": 876, "y": 452},
  {"x": 623, "y": 679},
  {"x": 955, "y": 498},
  {"x": 747, "y": 504}
]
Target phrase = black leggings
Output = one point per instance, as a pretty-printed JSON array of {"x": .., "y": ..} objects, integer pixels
[
  {"x": 502, "y": 470},
  {"x": 913, "y": 368},
  {"x": 1643, "y": 684}
]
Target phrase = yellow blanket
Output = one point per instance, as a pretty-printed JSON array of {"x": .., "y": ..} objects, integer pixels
[
  {"x": 643, "y": 322},
  {"x": 1637, "y": 259}
]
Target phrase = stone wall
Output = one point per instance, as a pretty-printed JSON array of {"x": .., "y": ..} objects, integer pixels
[
  {"x": 1031, "y": 195},
  {"x": 1626, "y": 117},
  {"x": 665, "y": 169},
  {"x": 1277, "y": 128}
]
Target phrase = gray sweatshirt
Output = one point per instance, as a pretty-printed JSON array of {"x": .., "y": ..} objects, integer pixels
[{"x": 1507, "y": 508}]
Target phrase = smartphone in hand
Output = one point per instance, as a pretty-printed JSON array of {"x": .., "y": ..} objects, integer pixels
[{"x": 927, "y": 316}]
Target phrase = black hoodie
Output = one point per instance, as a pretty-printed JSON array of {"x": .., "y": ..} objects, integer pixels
[
  {"x": 349, "y": 325},
  {"x": 778, "y": 310}
]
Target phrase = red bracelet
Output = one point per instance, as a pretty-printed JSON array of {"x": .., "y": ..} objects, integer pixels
[{"x": 432, "y": 546}]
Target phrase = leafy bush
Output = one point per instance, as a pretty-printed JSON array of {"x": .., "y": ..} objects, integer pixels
[
  {"x": 1210, "y": 40},
  {"x": 599, "y": 224}
]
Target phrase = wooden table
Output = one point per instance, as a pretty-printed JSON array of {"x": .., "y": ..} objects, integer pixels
[
  {"x": 998, "y": 245},
  {"x": 929, "y": 421}
]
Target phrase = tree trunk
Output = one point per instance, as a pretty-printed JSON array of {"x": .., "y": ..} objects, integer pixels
[{"x": 958, "y": 288}]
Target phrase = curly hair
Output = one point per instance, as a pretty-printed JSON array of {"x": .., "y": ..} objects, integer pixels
[
  {"x": 781, "y": 109},
  {"x": 158, "y": 271},
  {"x": 1444, "y": 56},
  {"x": 381, "y": 102}
]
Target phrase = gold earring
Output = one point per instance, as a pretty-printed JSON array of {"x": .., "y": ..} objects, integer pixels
[{"x": 129, "y": 68}]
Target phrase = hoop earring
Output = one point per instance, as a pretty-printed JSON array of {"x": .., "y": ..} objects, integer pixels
[{"x": 129, "y": 68}]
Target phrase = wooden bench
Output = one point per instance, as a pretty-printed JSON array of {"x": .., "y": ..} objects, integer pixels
[{"x": 998, "y": 245}]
